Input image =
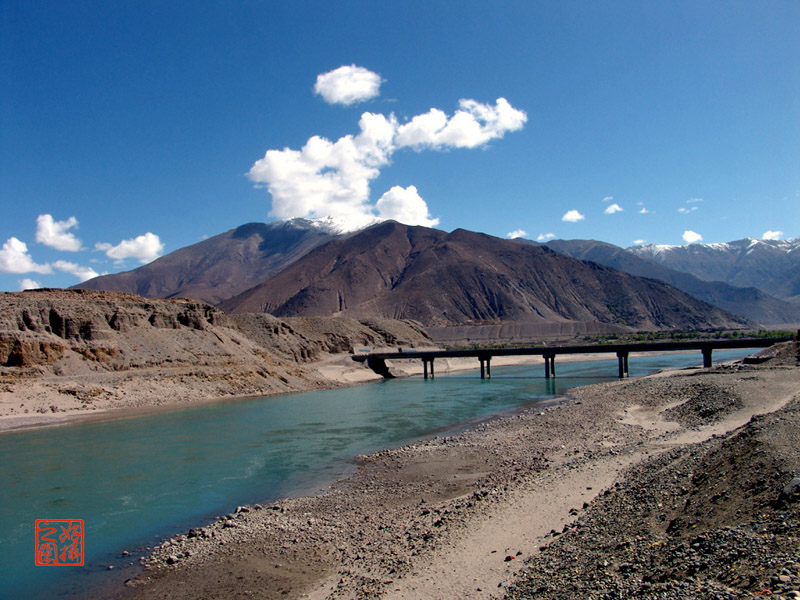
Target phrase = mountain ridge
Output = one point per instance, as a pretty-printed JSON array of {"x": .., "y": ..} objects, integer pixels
[
  {"x": 750, "y": 302},
  {"x": 772, "y": 266},
  {"x": 397, "y": 271}
]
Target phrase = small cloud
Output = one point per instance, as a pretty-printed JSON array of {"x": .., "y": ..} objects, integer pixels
[
  {"x": 144, "y": 248},
  {"x": 638, "y": 242},
  {"x": 14, "y": 258},
  {"x": 612, "y": 208},
  {"x": 572, "y": 216},
  {"x": 55, "y": 233},
  {"x": 772, "y": 235},
  {"x": 643, "y": 211},
  {"x": 517, "y": 233},
  {"x": 406, "y": 206},
  {"x": 608, "y": 198},
  {"x": 692, "y": 237},
  {"x": 28, "y": 284},
  {"x": 82, "y": 273},
  {"x": 543, "y": 237},
  {"x": 348, "y": 85},
  {"x": 689, "y": 209}
]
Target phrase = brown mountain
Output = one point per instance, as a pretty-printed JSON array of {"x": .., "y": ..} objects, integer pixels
[
  {"x": 749, "y": 302},
  {"x": 219, "y": 267},
  {"x": 397, "y": 271}
]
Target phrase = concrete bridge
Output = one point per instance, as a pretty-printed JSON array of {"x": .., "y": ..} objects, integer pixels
[{"x": 377, "y": 360}]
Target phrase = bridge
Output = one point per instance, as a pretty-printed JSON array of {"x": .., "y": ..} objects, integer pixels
[{"x": 377, "y": 360}]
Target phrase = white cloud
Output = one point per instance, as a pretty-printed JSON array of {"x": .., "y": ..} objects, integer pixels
[
  {"x": 612, "y": 208},
  {"x": 638, "y": 242},
  {"x": 772, "y": 235},
  {"x": 691, "y": 237},
  {"x": 644, "y": 211},
  {"x": 144, "y": 248},
  {"x": 543, "y": 237},
  {"x": 82, "y": 273},
  {"x": 348, "y": 85},
  {"x": 694, "y": 200},
  {"x": 55, "y": 233},
  {"x": 517, "y": 233},
  {"x": 28, "y": 284},
  {"x": 472, "y": 125},
  {"x": 572, "y": 216},
  {"x": 685, "y": 210},
  {"x": 14, "y": 258},
  {"x": 406, "y": 206},
  {"x": 608, "y": 198},
  {"x": 332, "y": 179}
]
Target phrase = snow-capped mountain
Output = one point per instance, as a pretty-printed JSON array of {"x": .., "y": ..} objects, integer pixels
[{"x": 773, "y": 266}]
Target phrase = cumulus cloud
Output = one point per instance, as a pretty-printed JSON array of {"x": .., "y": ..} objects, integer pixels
[
  {"x": 82, "y": 273},
  {"x": 608, "y": 198},
  {"x": 55, "y": 234},
  {"x": 14, "y": 258},
  {"x": 28, "y": 284},
  {"x": 572, "y": 216},
  {"x": 691, "y": 237},
  {"x": 643, "y": 211},
  {"x": 543, "y": 237},
  {"x": 472, "y": 125},
  {"x": 332, "y": 179},
  {"x": 687, "y": 209},
  {"x": 144, "y": 248},
  {"x": 348, "y": 85},
  {"x": 612, "y": 208},
  {"x": 772, "y": 235},
  {"x": 638, "y": 242},
  {"x": 517, "y": 233},
  {"x": 405, "y": 205}
]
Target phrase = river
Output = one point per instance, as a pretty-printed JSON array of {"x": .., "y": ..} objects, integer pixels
[{"x": 138, "y": 480}]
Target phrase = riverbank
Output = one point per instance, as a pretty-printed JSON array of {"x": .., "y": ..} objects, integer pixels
[{"x": 460, "y": 516}]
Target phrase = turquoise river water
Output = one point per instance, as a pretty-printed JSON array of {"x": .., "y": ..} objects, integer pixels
[{"x": 135, "y": 481}]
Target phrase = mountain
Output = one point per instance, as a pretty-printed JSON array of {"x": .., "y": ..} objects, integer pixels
[
  {"x": 397, "y": 271},
  {"x": 749, "y": 302},
  {"x": 222, "y": 266},
  {"x": 772, "y": 266}
]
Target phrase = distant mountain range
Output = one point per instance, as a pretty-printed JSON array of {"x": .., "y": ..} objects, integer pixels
[
  {"x": 772, "y": 266},
  {"x": 749, "y": 302},
  {"x": 391, "y": 270}
]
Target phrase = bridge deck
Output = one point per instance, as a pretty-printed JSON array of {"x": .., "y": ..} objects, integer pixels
[{"x": 377, "y": 360}]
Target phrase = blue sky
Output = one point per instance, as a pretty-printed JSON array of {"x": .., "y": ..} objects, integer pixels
[{"x": 131, "y": 129}]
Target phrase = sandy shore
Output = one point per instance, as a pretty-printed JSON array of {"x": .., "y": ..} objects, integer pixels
[{"x": 481, "y": 514}]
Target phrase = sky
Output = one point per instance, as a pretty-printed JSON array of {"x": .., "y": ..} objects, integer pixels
[{"x": 130, "y": 129}]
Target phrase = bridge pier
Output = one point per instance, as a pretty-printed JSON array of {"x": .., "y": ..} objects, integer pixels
[
  {"x": 707, "y": 357},
  {"x": 425, "y": 362},
  {"x": 622, "y": 358},
  {"x": 486, "y": 361},
  {"x": 549, "y": 365}
]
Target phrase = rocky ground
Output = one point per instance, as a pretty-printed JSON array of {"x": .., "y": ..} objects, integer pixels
[{"x": 664, "y": 487}]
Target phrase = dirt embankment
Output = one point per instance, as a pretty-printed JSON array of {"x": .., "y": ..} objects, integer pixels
[
  {"x": 73, "y": 351},
  {"x": 670, "y": 486}
]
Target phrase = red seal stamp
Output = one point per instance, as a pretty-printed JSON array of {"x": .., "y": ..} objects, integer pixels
[{"x": 59, "y": 542}]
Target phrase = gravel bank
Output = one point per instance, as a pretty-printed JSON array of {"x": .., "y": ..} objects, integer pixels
[{"x": 624, "y": 489}]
